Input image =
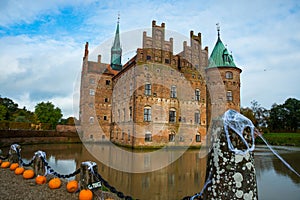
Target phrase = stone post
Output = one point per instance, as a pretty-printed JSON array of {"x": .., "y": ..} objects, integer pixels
[
  {"x": 39, "y": 164},
  {"x": 88, "y": 179},
  {"x": 232, "y": 173},
  {"x": 13, "y": 155}
]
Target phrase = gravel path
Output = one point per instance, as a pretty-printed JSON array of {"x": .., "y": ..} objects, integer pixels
[{"x": 14, "y": 187}]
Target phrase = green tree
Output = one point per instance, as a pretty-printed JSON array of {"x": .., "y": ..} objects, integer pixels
[
  {"x": 3, "y": 111},
  {"x": 11, "y": 107},
  {"x": 285, "y": 117},
  {"x": 47, "y": 113}
]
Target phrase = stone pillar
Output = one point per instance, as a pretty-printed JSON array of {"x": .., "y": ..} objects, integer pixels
[
  {"x": 13, "y": 155},
  {"x": 232, "y": 173},
  {"x": 88, "y": 179},
  {"x": 39, "y": 163}
]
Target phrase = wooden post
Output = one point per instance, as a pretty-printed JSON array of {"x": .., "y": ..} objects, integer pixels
[
  {"x": 232, "y": 174},
  {"x": 88, "y": 180},
  {"x": 13, "y": 155},
  {"x": 38, "y": 163}
]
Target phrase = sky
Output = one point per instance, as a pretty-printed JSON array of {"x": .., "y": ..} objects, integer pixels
[{"x": 42, "y": 42}]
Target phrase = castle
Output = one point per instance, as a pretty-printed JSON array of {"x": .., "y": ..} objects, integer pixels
[{"x": 157, "y": 98}]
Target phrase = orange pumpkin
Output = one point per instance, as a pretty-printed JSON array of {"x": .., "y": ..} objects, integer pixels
[
  {"x": 19, "y": 170},
  {"x": 54, "y": 183},
  {"x": 40, "y": 180},
  {"x": 28, "y": 174},
  {"x": 72, "y": 186},
  {"x": 14, "y": 166},
  {"x": 85, "y": 194},
  {"x": 5, "y": 164}
]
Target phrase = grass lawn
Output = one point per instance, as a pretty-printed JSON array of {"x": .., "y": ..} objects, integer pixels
[{"x": 282, "y": 139}]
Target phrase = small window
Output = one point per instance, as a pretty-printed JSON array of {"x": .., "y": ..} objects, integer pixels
[
  {"x": 197, "y": 95},
  {"x": 172, "y": 137},
  {"x": 92, "y": 92},
  {"x": 167, "y": 61},
  {"x": 229, "y": 75},
  {"x": 172, "y": 116},
  {"x": 107, "y": 82},
  {"x": 148, "y": 137},
  {"x": 106, "y": 100},
  {"x": 92, "y": 81},
  {"x": 105, "y": 117},
  {"x": 123, "y": 135},
  {"x": 128, "y": 135},
  {"x": 91, "y": 136},
  {"x": 173, "y": 91},
  {"x": 91, "y": 105},
  {"x": 181, "y": 138},
  {"x": 91, "y": 120},
  {"x": 229, "y": 96},
  {"x": 198, "y": 138},
  {"x": 148, "y": 57},
  {"x": 147, "y": 114},
  {"x": 147, "y": 89},
  {"x": 197, "y": 117},
  {"x": 130, "y": 113}
]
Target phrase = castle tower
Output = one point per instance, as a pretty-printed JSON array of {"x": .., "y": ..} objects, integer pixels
[
  {"x": 223, "y": 81},
  {"x": 116, "y": 51}
]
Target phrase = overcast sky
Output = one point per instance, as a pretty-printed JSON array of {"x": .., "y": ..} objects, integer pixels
[{"x": 42, "y": 42}]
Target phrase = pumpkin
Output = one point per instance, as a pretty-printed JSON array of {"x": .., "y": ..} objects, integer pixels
[
  {"x": 28, "y": 174},
  {"x": 54, "y": 183},
  {"x": 14, "y": 166},
  {"x": 5, "y": 164},
  {"x": 19, "y": 170},
  {"x": 72, "y": 186},
  {"x": 40, "y": 180},
  {"x": 85, "y": 194}
]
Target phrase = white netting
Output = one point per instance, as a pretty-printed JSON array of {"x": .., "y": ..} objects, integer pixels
[{"x": 238, "y": 123}]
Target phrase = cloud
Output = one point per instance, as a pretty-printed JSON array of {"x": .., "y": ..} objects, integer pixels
[{"x": 42, "y": 45}]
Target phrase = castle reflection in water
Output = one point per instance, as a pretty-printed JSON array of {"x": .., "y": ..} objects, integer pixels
[{"x": 184, "y": 177}]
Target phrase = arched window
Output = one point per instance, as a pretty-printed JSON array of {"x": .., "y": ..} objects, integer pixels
[
  {"x": 147, "y": 114},
  {"x": 228, "y": 75}
]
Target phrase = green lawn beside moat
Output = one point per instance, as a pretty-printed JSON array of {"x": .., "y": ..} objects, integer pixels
[{"x": 282, "y": 139}]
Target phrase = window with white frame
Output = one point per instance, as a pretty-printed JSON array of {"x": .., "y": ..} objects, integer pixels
[
  {"x": 228, "y": 75},
  {"x": 147, "y": 89},
  {"x": 148, "y": 137},
  {"x": 147, "y": 114},
  {"x": 92, "y": 92},
  {"x": 229, "y": 95},
  {"x": 173, "y": 91},
  {"x": 172, "y": 115},
  {"x": 197, "y": 95}
]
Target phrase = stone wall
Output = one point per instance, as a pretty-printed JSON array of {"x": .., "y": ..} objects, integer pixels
[{"x": 8, "y": 137}]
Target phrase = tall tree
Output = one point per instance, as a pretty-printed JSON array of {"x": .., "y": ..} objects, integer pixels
[
  {"x": 261, "y": 114},
  {"x": 285, "y": 116},
  {"x": 47, "y": 113}
]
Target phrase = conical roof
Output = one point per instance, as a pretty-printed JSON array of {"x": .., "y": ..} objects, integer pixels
[{"x": 220, "y": 57}]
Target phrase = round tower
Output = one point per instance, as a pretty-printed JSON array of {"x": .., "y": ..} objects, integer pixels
[{"x": 223, "y": 81}]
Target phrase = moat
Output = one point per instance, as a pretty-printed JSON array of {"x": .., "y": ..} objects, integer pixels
[{"x": 183, "y": 177}]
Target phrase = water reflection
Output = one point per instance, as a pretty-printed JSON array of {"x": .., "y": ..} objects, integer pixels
[{"x": 183, "y": 177}]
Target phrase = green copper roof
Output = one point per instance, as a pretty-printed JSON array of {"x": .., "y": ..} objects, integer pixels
[
  {"x": 220, "y": 57},
  {"x": 116, "y": 51}
]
